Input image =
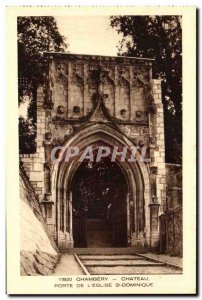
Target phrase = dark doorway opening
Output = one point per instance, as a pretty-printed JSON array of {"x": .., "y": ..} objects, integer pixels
[{"x": 99, "y": 199}]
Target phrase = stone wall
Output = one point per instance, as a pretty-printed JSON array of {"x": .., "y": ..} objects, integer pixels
[
  {"x": 174, "y": 185},
  {"x": 171, "y": 221},
  {"x": 39, "y": 253},
  {"x": 175, "y": 228},
  {"x": 73, "y": 79}
]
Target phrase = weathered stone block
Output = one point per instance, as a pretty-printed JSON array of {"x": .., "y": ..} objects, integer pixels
[
  {"x": 40, "y": 184},
  {"x": 38, "y": 167},
  {"x": 36, "y": 176},
  {"x": 159, "y": 159}
]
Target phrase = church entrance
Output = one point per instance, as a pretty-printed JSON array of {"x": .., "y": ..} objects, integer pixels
[{"x": 99, "y": 202}]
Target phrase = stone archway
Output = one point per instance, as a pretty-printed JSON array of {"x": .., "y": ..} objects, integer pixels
[{"x": 137, "y": 177}]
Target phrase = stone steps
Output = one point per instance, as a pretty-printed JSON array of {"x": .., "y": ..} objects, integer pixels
[
  {"x": 121, "y": 261},
  {"x": 133, "y": 270},
  {"x": 110, "y": 257},
  {"x": 107, "y": 251}
]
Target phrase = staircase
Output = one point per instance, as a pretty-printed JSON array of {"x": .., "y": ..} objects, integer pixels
[
  {"x": 108, "y": 263},
  {"x": 99, "y": 233}
]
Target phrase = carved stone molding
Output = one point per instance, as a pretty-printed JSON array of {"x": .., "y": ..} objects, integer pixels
[
  {"x": 122, "y": 81},
  {"x": 76, "y": 79},
  {"x": 61, "y": 73}
]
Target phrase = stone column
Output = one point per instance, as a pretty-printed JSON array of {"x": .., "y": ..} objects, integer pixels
[
  {"x": 154, "y": 225},
  {"x": 128, "y": 218},
  {"x": 157, "y": 156}
]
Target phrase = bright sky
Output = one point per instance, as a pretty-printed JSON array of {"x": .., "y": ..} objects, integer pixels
[{"x": 89, "y": 34}]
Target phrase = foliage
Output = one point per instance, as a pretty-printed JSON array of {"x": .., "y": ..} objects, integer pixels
[
  {"x": 159, "y": 37},
  {"x": 35, "y": 35}
]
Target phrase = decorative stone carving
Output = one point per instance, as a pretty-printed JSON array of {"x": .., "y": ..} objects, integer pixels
[
  {"x": 47, "y": 196},
  {"x": 152, "y": 140},
  {"x": 138, "y": 114},
  {"x": 135, "y": 141},
  {"x": 111, "y": 71},
  {"x": 61, "y": 73},
  {"x": 123, "y": 71},
  {"x": 61, "y": 132},
  {"x": 154, "y": 170},
  {"x": 47, "y": 166},
  {"x": 76, "y": 79},
  {"x": 153, "y": 174},
  {"x": 141, "y": 143},
  {"x": 48, "y": 103},
  {"x": 76, "y": 110},
  {"x": 137, "y": 83},
  {"x": 123, "y": 113},
  {"x": 122, "y": 81},
  {"x": 48, "y": 137},
  {"x": 61, "y": 110},
  {"x": 152, "y": 108},
  {"x": 48, "y": 145}
]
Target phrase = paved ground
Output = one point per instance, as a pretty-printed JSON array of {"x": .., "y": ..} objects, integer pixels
[
  {"x": 172, "y": 260},
  {"x": 67, "y": 265}
]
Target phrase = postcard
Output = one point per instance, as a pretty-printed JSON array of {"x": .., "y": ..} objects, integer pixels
[{"x": 101, "y": 150}]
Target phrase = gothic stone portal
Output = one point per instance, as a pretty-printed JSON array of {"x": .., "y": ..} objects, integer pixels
[{"x": 93, "y": 99}]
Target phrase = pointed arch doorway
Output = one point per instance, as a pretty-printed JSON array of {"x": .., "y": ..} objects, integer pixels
[
  {"x": 99, "y": 202},
  {"x": 136, "y": 197}
]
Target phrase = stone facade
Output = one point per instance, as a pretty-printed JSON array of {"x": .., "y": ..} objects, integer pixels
[{"x": 86, "y": 99}]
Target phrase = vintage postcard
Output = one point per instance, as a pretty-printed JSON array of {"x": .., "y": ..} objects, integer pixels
[{"x": 101, "y": 150}]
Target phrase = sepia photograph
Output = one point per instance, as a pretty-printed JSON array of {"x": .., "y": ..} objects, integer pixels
[{"x": 100, "y": 147}]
